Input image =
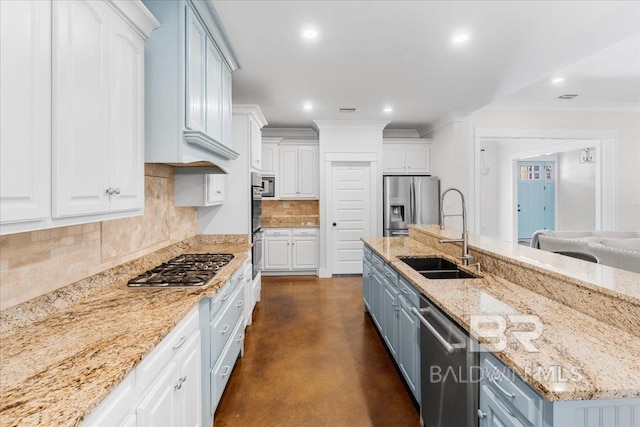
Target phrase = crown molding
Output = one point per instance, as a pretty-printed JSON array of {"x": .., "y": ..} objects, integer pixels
[
  {"x": 351, "y": 124},
  {"x": 250, "y": 110},
  {"x": 291, "y": 133},
  {"x": 445, "y": 119},
  {"x": 559, "y": 105}
]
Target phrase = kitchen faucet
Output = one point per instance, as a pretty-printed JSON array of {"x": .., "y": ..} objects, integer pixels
[{"x": 465, "y": 235}]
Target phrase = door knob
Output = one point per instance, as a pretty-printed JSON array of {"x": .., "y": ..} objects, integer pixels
[
  {"x": 481, "y": 414},
  {"x": 334, "y": 224}
]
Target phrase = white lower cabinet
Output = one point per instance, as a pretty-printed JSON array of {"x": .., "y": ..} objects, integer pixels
[
  {"x": 294, "y": 249},
  {"x": 160, "y": 406}
]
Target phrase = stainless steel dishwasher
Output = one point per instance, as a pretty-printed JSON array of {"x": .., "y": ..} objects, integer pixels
[{"x": 450, "y": 372}]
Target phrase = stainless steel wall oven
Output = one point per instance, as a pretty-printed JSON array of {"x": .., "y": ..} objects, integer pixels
[{"x": 256, "y": 222}]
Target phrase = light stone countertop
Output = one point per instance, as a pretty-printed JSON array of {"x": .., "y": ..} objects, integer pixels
[
  {"x": 57, "y": 366},
  {"x": 605, "y": 357}
]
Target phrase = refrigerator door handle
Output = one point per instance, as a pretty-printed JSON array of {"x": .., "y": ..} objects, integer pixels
[{"x": 412, "y": 202}]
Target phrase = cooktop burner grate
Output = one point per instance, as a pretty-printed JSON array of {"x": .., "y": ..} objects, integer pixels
[{"x": 183, "y": 270}]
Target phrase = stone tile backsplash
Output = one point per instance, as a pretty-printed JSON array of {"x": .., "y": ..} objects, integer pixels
[{"x": 38, "y": 262}]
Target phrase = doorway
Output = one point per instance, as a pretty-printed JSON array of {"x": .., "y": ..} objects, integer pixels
[
  {"x": 536, "y": 197},
  {"x": 351, "y": 215}
]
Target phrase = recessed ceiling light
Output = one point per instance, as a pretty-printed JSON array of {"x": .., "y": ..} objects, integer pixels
[
  {"x": 310, "y": 34},
  {"x": 460, "y": 38},
  {"x": 557, "y": 80},
  {"x": 388, "y": 109},
  {"x": 308, "y": 106}
]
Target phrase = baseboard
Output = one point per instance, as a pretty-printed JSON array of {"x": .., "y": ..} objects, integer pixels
[{"x": 290, "y": 273}]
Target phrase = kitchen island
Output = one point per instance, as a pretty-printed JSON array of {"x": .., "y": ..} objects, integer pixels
[
  {"x": 590, "y": 337},
  {"x": 63, "y": 353}
]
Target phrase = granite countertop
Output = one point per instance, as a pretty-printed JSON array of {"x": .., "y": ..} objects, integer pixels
[
  {"x": 579, "y": 357},
  {"x": 57, "y": 366}
]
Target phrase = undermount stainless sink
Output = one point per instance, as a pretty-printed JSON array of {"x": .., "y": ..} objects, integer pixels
[{"x": 437, "y": 268}]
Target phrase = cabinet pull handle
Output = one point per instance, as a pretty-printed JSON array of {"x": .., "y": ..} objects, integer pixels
[
  {"x": 178, "y": 386},
  {"x": 240, "y": 337},
  {"x": 184, "y": 378},
  {"x": 182, "y": 340},
  {"x": 502, "y": 390},
  {"x": 226, "y": 371},
  {"x": 404, "y": 291},
  {"x": 224, "y": 331},
  {"x": 226, "y": 296},
  {"x": 239, "y": 304}
]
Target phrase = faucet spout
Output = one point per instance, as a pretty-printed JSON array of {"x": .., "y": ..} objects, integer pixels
[{"x": 465, "y": 235}]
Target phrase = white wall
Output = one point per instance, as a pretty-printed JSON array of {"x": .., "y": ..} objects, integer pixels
[
  {"x": 576, "y": 190},
  {"x": 345, "y": 138},
  {"x": 453, "y": 150},
  {"x": 234, "y": 216}
]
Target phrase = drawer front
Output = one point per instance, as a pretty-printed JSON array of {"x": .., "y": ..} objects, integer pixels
[
  {"x": 277, "y": 232},
  {"x": 377, "y": 262},
  {"x": 367, "y": 252},
  {"x": 390, "y": 274},
  {"x": 152, "y": 364},
  {"x": 409, "y": 292},
  {"x": 220, "y": 298},
  {"x": 305, "y": 231},
  {"x": 510, "y": 389},
  {"x": 222, "y": 370},
  {"x": 222, "y": 327}
]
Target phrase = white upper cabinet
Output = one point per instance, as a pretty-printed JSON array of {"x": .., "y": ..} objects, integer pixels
[
  {"x": 298, "y": 177},
  {"x": 270, "y": 155},
  {"x": 73, "y": 76},
  {"x": 98, "y": 75},
  {"x": 256, "y": 146},
  {"x": 199, "y": 189},
  {"x": 188, "y": 94},
  {"x": 25, "y": 110},
  {"x": 402, "y": 157},
  {"x": 196, "y": 72}
]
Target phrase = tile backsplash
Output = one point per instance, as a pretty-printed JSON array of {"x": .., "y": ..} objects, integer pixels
[
  {"x": 38, "y": 262},
  {"x": 289, "y": 207}
]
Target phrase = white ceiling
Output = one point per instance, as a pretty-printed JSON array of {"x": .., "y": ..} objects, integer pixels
[{"x": 371, "y": 54}]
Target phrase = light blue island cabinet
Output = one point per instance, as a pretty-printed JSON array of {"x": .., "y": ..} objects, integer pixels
[{"x": 505, "y": 400}]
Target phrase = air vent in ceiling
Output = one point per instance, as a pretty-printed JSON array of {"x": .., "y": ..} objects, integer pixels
[
  {"x": 347, "y": 110},
  {"x": 567, "y": 96}
]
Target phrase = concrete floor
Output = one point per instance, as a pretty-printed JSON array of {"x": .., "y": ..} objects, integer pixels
[{"x": 314, "y": 358}]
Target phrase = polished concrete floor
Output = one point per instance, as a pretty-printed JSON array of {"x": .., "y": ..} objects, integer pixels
[{"x": 313, "y": 358}]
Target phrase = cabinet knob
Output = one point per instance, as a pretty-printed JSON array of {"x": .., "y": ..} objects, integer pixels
[
  {"x": 334, "y": 224},
  {"x": 219, "y": 191},
  {"x": 109, "y": 191},
  {"x": 481, "y": 414},
  {"x": 116, "y": 190}
]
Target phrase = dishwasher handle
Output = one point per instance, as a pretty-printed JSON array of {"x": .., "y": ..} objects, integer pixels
[{"x": 450, "y": 348}]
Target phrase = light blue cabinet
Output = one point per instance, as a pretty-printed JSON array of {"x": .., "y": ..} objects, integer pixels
[
  {"x": 189, "y": 63},
  {"x": 390, "y": 317},
  {"x": 494, "y": 412},
  {"x": 409, "y": 346},
  {"x": 389, "y": 299}
]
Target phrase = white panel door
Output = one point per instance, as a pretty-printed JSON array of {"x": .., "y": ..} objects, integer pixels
[
  {"x": 226, "y": 105},
  {"x": 256, "y": 145},
  {"x": 126, "y": 161},
  {"x": 269, "y": 159},
  {"x": 277, "y": 253},
  {"x": 288, "y": 172},
  {"x": 195, "y": 74},
  {"x": 25, "y": 110},
  {"x": 190, "y": 388},
  {"x": 215, "y": 189},
  {"x": 159, "y": 408},
  {"x": 307, "y": 171},
  {"x": 80, "y": 105},
  {"x": 418, "y": 159},
  {"x": 304, "y": 253},
  {"x": 393, "y": 159},
  {"x": 351, "y": 215},
  {"x": 214, "y": 92}
]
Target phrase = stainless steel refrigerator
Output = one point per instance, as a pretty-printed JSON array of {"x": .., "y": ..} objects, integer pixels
[{"x": 409, "y": 200}]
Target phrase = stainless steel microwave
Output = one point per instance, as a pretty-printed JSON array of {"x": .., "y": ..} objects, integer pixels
[{"x": 268, "y": 186}]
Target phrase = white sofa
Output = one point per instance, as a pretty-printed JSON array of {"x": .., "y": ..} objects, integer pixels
[{"x": 619, "y": 249}]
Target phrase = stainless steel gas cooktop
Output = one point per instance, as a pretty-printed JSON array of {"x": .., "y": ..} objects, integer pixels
[{"x": 183, "y": 271}]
